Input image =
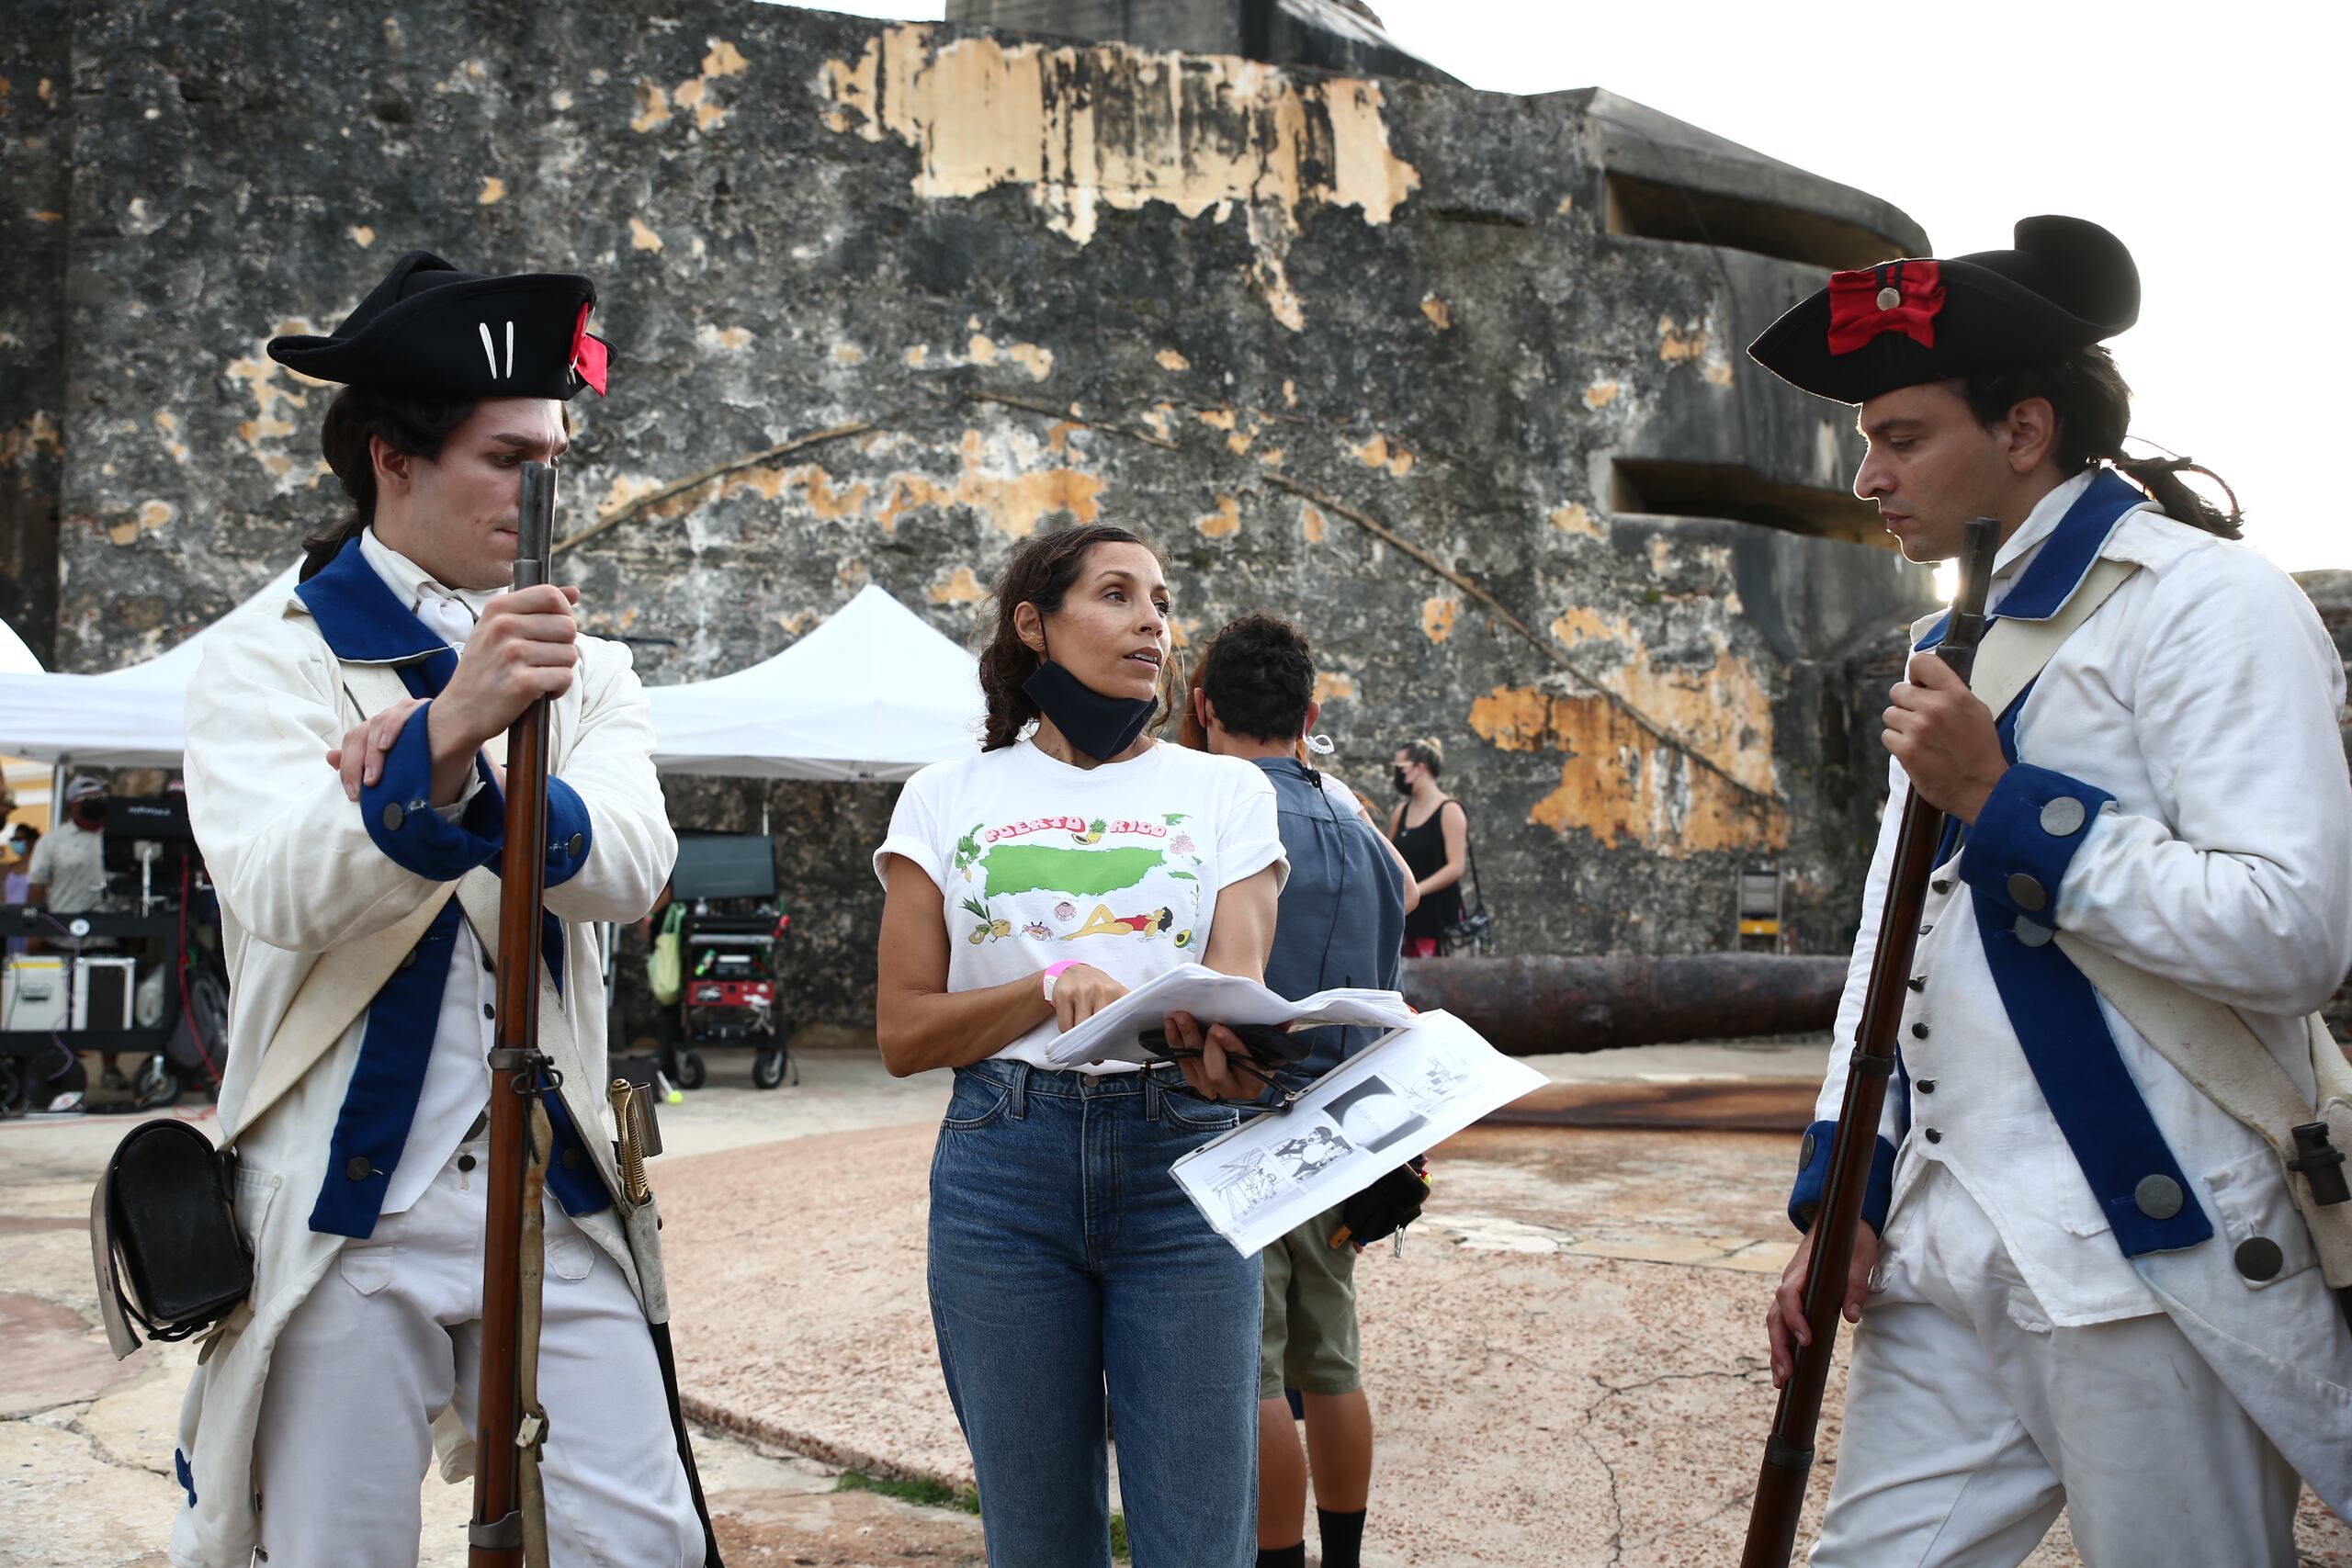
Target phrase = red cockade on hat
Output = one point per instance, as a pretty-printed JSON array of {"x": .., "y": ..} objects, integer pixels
[
  {"x": 1903, "y": 297},
  {"x": 589, "y": 354}
]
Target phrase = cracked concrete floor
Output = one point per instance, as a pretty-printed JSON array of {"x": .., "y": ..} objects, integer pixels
[{"x": 1563, "y": 1364}]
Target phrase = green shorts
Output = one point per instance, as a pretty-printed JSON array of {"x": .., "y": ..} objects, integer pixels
[{"x": 1308, "y": 1340}]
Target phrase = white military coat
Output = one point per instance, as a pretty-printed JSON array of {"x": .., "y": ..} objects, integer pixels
[
  {"x": 301, "y": 870},
  {"x": 2191, "y": 722}
]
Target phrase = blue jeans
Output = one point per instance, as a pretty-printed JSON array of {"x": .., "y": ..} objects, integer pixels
[{"x": 1063, "y": 1258}]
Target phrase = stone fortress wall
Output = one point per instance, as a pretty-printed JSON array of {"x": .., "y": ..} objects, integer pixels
[{"x": 1455, "y": 379}]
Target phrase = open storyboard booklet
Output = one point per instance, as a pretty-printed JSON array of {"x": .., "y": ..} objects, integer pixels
[
  {"x": 1397, "y": 1098},
  {"x": 1113, "y": 1034}
]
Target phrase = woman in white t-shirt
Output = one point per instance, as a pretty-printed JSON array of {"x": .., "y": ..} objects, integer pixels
[{"x": 1028, "y": 886}]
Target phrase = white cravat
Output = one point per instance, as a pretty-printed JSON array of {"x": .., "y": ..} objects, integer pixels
[{"x": 451, "y": 612}]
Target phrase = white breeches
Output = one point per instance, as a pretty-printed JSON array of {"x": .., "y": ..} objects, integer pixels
[
  {"x": 1971, "y": 1420},
  {"x": 393, "y": 1335}
]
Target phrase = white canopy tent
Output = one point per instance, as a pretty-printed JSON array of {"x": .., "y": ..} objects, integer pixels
[
  {"x": 132, "y": 718},
  {"x": 875, "y": 693}
]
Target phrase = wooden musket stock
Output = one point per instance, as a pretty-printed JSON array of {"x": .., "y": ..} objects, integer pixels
[
  {"x": 495, "y": 1537},
  {"x": 1788, "y": 1451}
]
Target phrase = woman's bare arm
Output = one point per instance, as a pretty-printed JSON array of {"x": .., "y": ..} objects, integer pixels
[{"x": 918, "y": 1022}]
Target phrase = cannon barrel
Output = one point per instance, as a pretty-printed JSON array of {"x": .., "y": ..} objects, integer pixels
[{"x": 1530, "y": 1006}]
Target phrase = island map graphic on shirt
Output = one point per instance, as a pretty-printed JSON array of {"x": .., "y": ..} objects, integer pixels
[{"x": 1061, "y": 878}]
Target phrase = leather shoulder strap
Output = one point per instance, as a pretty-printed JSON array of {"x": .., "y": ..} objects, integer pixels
[{"x": 343, "y": 981}]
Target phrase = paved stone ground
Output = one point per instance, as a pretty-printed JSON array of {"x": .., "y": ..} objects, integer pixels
[{"x": 1566, "y": 1364}]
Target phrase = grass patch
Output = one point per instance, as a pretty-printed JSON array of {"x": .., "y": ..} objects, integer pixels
[
  {"x": 930, "y": 1494},
  {"x": 925, "y": 1493}
]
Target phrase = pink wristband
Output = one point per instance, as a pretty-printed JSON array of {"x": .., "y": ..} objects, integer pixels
[{"x": 1052, "y": 971}]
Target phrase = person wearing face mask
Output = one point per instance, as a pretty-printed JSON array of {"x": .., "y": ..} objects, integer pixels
[
  {"x": 1431, "y": 830},
  {"x": 1027, "y": 887}
]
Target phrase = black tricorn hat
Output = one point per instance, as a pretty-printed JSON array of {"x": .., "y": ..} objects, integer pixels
[
  {"x": 432, "y": 330},
  {"x": 2069, "y": 283}
]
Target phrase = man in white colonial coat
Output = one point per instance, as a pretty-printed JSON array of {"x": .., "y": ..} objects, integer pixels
[
  {"x": 342, "y": 776},
  {"x": 2081, "y": 1282}
]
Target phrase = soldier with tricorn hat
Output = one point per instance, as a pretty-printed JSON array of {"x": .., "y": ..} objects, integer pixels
[
  {"x": 333, "y": 824},
  {"x": 2096, "y": 1261}
]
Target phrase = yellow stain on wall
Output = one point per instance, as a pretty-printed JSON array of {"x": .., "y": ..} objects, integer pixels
[
  {"x": 1437, "y": 616},
  {"x": 1223, "y": 523},
  {"x": 1001, "y": 485},
  {"x": 652, "y": 107},
  {"x": 169, "y": 423},
  {"x": 1619, "y": 781},
  {"x": 1311, "y": 524},
  {"x": 1601, "y": 394},
  {"x": 1088, "y": 127},
  {"x": 1331, "y": 686},
  {"x": 274, "y": 389},
  {"x": 493, "y": 191},
  {"x": 1441, "y": 315},
  {"x": 1380, "y": 453},
  {"x": 1036, "y": 360},
  {"x": 642, "y": 238},
  {"x": 1171, "y": 360},
  {"x": 362, "y": 235},
  {"x": 1575, "y": 518},
  {"x": 959, "y": 587},
  {"x": 725, "y": 340}
]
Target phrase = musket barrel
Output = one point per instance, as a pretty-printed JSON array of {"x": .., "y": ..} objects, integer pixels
[
  {"x": 495, "y": 1537},
  {"x": 1787, "y": 1450}
]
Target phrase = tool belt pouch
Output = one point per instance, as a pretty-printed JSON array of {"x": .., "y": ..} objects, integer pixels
[
  {"x": 2320, "y": 1194},
  {"x": 164, "y": 1235},
  {"x": 1388, "y": 1205}
]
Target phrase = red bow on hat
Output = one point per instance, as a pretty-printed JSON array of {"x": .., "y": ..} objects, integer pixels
[
  {"x": 1863, "y": 304},
  {"x": 589, "y": 354}
]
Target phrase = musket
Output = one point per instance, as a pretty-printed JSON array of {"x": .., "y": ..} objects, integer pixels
[
  {"x": 504, "y": 1428},
  {"x": 1788, "y": 1451}
]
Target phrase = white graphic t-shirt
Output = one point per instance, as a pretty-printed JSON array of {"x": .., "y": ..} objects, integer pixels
[{"x": 1117, "y": 866}]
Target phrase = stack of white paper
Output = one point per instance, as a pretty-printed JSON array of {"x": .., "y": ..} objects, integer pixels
[
  {"x": 1112, "y": 1035},
  {"x": 1393, "y": 1100}
]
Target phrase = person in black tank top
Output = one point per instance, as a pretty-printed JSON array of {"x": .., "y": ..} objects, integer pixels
[{"x": 1431, "y": 830}]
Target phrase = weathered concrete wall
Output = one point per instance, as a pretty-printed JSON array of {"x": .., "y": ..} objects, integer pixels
[
  {"x": 1333, "y": 35},
  {"x": 34, "y": 175},
  {"x": 1366, "y": 352}
]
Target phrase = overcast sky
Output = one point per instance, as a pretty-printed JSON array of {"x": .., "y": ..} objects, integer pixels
[{"x": 2209, "y": 140}]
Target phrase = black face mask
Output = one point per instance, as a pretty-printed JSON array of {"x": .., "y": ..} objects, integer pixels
[
  {"x": 1404, "y": 784},
  {"x": 89, "y": 816},
  {"x": 1099, "y": 726}
]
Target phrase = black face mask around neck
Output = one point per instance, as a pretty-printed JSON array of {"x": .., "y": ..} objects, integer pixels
[{"x": 1099, "y": 726}]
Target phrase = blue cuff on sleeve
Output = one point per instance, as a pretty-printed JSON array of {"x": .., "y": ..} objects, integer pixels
[
  {"x": 399, "y": 814},
  {"x": 1813, "y": 1178},
  {"x": 2026, "y": 837},
  {"x": 571, "y": 835}
]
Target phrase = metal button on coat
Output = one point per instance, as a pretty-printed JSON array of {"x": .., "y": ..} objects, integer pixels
[
  {"x": 2030, "y": 934},
  {"x": 1934, "y": 1136},
  {"x": 574, "y": 844},
  {"x": 1888, "y": 299},
  {"x": 1927, "y": 1085},
  {"x": 464, "y": 1162},
  {"x": 2026, "y": 893},
  {"x": 572, "y": 1159},
  {"x": 2259, "y": 1259},
  {"x": 1918, "y": 1031},
  {"x": 408, "y": 959},
  {"x": 1805, "y": 1152},
  {"x": 2062, "y": 817},
  {"x": 393, "y": 817},
  {"x": 1926, "y": 929},
  {"x": 2158, "y": 1197},
  {"x": 1942, "y": 885},
  {"x": 1918, "y": 982},
  {"x": 487, "y": 1010},
  {"x": 357, "y": 1167}
]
